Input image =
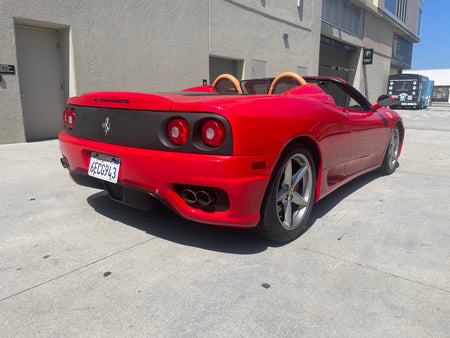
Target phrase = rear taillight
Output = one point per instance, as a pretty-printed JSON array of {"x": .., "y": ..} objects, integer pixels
[
  {"x": 213, "y": 133},
  {"x": 178, "y": 131},
  {"x": 69, "y": 118}
]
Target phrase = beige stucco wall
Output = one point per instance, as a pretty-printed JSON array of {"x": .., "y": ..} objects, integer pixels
[
  {"x": 141, "y": 45},
  {"x": 409, "y": 29},
  {"x": 377, "y": 35},
  {"x": 413, "y": 11},
  {"x": 377, "y": 75},
  {"x": 116, "y": 45},
  {"x": 11, "y": 123},
  {"x": 251, "y": 29}
]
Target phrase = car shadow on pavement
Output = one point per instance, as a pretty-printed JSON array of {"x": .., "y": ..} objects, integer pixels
[{"x": 163, "y": 223}]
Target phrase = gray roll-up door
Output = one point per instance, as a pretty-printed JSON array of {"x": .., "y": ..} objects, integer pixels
[{"x": 218, "y": 66}]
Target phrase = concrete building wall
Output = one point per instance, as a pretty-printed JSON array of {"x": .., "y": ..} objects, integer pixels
[
  {"x": 377, "y": 35},
  {"x": 109, "y": 45},
  {"x": 145, "y": 46},
  {"x": 377, "y": 75},
  {"x": 413, "y": 12},
  {"x": 256, "y": 30},
  {"x": 406, "y": 29},
  {"x": 11, "y": 123}
]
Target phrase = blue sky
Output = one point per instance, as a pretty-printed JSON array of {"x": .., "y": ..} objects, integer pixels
[{"x": 433, "y": 50}]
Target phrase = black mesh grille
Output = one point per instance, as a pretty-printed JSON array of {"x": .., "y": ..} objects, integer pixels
[{"x": 144, "y": 129}]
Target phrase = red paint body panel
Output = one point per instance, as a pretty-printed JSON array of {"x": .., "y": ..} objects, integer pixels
[
  {"x": 158, "y": 171},
  {"x": 347, "y": 144},
  {"x": 134, "y": 100}
]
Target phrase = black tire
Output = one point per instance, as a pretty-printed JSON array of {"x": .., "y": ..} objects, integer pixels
[
  {"x": 290, "y": 196},
  {"x": 390, "y": 161}
]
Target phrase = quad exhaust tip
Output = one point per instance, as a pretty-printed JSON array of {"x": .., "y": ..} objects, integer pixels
[
  {"x": 189, "y": 196},
  {"x": 65, "y": 162},
  {"x": 202, "y": 197}
]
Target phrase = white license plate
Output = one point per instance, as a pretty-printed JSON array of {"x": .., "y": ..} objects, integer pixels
[{"x": 104, "y": 167}]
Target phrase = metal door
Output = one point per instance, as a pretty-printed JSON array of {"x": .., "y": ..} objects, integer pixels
[
  {"x": 218, "y": 66},
  {"x": 40, "y": 79}
]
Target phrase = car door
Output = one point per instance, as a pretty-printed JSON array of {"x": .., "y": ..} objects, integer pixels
[
  {"x": 368, "y": 128},
  {"x": 368, "y": 135}
]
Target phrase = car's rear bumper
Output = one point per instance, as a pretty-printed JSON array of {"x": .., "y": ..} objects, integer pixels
[{"x": 243, "y": 178}]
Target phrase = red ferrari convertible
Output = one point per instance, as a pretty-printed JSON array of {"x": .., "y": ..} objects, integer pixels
[{"x": 256, "y": 153}]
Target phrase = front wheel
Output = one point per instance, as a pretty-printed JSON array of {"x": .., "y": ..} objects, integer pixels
[{"x": 290, "y": 196}]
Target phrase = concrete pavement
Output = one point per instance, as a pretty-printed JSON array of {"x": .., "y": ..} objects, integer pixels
[{"x": 375, "y": 261}]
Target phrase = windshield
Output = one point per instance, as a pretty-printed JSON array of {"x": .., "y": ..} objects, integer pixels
[{"x": 402, "y": 86}]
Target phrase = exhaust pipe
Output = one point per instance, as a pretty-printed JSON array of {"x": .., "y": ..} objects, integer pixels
[
  {"x": 204, "y": 198},
  {"x": 65, "y": 162},
  {"x": 189, "y": 196}
]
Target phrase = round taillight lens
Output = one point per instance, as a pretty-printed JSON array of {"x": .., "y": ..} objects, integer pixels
[
  {"x": 65, "y": 114},
  {"x": 69, "y": 118},
  {"x": 213, "y": 133},
  {"x": 178, "y": 131}
]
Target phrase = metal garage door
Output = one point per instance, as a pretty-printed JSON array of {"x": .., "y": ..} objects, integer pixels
[{"x": 219, "y": 66}]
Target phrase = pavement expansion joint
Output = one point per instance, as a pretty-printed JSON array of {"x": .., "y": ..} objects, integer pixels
[
  {"x": 378, "y": 270},
  {"x": 77, "y": 269}
]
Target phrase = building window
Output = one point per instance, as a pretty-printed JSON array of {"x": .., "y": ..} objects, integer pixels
[
  {"x": 398, "y": 8},
  {"x": 343, "y": 14},
  {"x": 401, "y": 51},
  {"x": 440, "y": 94},
  {"x": 390, "y": 5}
]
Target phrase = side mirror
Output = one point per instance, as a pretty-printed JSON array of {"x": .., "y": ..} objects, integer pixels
[{"x": 384, "y": 100}]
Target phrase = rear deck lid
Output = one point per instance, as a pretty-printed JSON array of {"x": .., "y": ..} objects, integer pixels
[{"x": 123, "y": 100}]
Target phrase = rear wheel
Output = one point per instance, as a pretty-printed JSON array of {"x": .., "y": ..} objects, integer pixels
[
  {"x": 390, "y": 162},
  {"x": 290, "y": 196}
]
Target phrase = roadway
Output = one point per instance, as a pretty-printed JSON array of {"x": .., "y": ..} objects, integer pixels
[{"x": 374, "y": 262}]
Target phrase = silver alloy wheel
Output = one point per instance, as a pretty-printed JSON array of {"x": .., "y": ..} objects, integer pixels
[
  {"x": 294, "y": 191},
  {"x": 394, "y": 147}
]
